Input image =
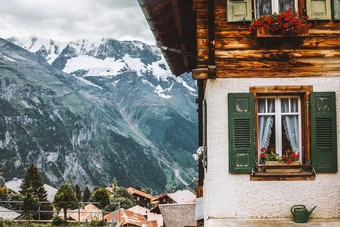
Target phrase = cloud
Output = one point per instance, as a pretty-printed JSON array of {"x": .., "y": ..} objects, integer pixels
[{"x": 66, "y": 20}]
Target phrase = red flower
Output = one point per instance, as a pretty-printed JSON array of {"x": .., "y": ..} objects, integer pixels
[
  {"x": 290, "y": 160},
  {"x": 307, "y": 17},
  {"x": 293, "y": 154},
  {"x": 249, "y": 28},
  {"x": 309, "y": 25},
  {"x": 263, "y": 149},
  {"x": 272, "y": 150},
  {"x": 297, "y": 156},
  {"x": 269, "y": 20},
  {"x": 283, "y": 157},
  {"x": 286, "y": 18},
  {"x": 292, "y": 28},
  {"x": 285, "y": 25},
  {"x": 263, "y": 155}
]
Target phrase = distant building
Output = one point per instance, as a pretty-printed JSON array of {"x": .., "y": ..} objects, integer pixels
[
  {"x": 8, "y": 214},
  {"x": 14, "y": 185},
  {"x": 150, "y": 216},
  {"x": 129, "y": 218},
  {"x": 178, "y": 215},
  {"x": 141, "y": 198},
  {"x": 178, "y": 197},
  {"x": 89, "y": 212}
]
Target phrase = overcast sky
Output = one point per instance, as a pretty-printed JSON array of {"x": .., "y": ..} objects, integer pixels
[{"x": 66, "y": 20}]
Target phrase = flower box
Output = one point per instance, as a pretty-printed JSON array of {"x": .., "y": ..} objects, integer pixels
[
  {"x": 301, "y": 31},
  {"x": 277, "y": 166}
]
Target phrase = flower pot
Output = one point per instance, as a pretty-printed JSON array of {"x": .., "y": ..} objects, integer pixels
[
  {"x": 276, "y": 166},
  {"x": 302, "y": 30}
]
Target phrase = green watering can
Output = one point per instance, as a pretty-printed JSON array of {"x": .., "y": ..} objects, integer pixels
[{"x": 301, "y": 213}]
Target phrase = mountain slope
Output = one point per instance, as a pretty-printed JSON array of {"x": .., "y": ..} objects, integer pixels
[{"x": 119, "y": 112}]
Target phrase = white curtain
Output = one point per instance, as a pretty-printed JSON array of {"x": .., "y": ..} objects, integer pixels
[
  {"x": 265, "y": 126},
  {"x": 291, "y": 124}
]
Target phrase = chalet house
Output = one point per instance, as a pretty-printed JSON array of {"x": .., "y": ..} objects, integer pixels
[
  {"x": 141, "y": 198},
  {"x": 259, "y": 91},
  {"x": 179, "y": 197}
]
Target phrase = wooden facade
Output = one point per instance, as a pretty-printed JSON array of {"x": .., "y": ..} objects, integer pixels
[{"x": 238, "y": 53}]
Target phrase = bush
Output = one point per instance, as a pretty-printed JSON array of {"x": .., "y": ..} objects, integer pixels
[
  {"x": 95, "y": 223},
  {"x": 56, "y": 220}
]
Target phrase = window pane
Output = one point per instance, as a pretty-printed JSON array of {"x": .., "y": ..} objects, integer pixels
[
  {"x": 294, "y": 105},
  {"x": 263, "y": 7},
  {"x": 271, "y": 105},
  {"x": 290, "y": 133},
  {"x": 285, "y": 5},
  {"x": 266, "y": 134},
  {"x": 284, "y": 105},
  {"x": 262, "y": 105}
]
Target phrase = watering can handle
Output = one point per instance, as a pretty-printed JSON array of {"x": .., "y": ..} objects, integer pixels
[{"x": 291, "y": 209}]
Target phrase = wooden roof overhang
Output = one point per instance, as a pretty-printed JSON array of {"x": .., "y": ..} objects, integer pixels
[{"x": 173, "y": 24}]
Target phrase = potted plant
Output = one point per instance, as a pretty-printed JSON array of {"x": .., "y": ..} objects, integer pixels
[
  {"x": 288, "y": 162},
  {"x": 288, "y": 23}
]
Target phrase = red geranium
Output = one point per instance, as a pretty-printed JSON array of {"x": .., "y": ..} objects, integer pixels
[
  {"x": 263, "y": 155},
  {"x": 289, "y": 160},
  {"x": 284, "y": 23}
]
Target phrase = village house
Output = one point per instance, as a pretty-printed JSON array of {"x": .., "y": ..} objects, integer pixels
[
  {"x": 141, "y": 198},
  {"x": 179, "y": 197},
  {"x": 259, "y": 93}
]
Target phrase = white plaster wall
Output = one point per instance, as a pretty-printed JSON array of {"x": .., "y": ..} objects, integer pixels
[{"x": 234, "y": 195}]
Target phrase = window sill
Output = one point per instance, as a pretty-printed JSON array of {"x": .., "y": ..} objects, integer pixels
[{"x": 283, "y": 176}]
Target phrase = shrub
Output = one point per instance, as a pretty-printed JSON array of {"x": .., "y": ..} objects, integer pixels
[
  {"x": 56, "y": 220},
  {"x": 96, "y": 223}
]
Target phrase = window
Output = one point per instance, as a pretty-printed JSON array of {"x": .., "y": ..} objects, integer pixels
[
  {"x": 138, "y": 198},
  {"x": 279, "y": 124},
  {"x": 241, "y": 10},
  {"x": 267, "y": 7},
  {"x": 286, "y": 117}
]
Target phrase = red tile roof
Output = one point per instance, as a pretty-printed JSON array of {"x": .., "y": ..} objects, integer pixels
[
  {"x": 135, "y": 191},
  {"x": 127, "y": 217}
]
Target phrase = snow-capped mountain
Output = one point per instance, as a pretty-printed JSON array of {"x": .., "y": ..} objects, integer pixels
[{"x": 148, "y": 116}]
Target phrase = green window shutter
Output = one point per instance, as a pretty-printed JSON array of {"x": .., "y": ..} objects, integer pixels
[
  {"x": 336, "y": 9},
  {"x": 239, "y": 10},
  {"x": 319, "y": 9},
  {"x": 323, "y": 132},
  {"x": 241, "y": 132}
]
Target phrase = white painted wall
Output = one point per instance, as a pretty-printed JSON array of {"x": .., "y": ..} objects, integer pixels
[{"x": 234, "y": 195}]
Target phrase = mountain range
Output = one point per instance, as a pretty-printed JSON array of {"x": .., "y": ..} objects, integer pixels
[{"x": 93, "y": 110}]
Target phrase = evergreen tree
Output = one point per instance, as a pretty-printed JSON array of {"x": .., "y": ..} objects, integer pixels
[
  {"x": 65, "y": 198},
  {"x": 33, "y": 180},
  {"x": 78, "y": 193},
  {"x": 138, "y": 187},
  {"x": 30, "y": 203},
  {"x": 87, "y": 194}
]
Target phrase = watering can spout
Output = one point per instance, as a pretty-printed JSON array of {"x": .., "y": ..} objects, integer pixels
[{"x": 310, "y": 212}]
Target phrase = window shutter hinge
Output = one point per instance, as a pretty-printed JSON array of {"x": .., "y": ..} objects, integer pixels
[{"x": 308, "y": 104}]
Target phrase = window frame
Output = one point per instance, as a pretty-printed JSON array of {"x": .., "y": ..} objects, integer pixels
[
  {"x": 278, "y": 114},
  {"x": 304, "y": 93},
  {"x": 275, "y": 7}
]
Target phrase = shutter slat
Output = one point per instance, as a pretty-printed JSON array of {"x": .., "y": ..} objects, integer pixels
[
  {"x": 239, "y": 10},
  {"x": 241, "y": 132},
  {"x": 319, "y": 9},
  {"x": 323, "y": 132},
  {"x": 336, "y": 9}
]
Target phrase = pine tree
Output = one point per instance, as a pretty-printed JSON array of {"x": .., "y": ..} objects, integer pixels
[
  {"x": 33, "y": 180},
  {"x": 65, "y": 198},
  {"x": 30, "y": 203},
  {"x": 87, "y": 194},
  {"x": 78, "y": 193}
]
